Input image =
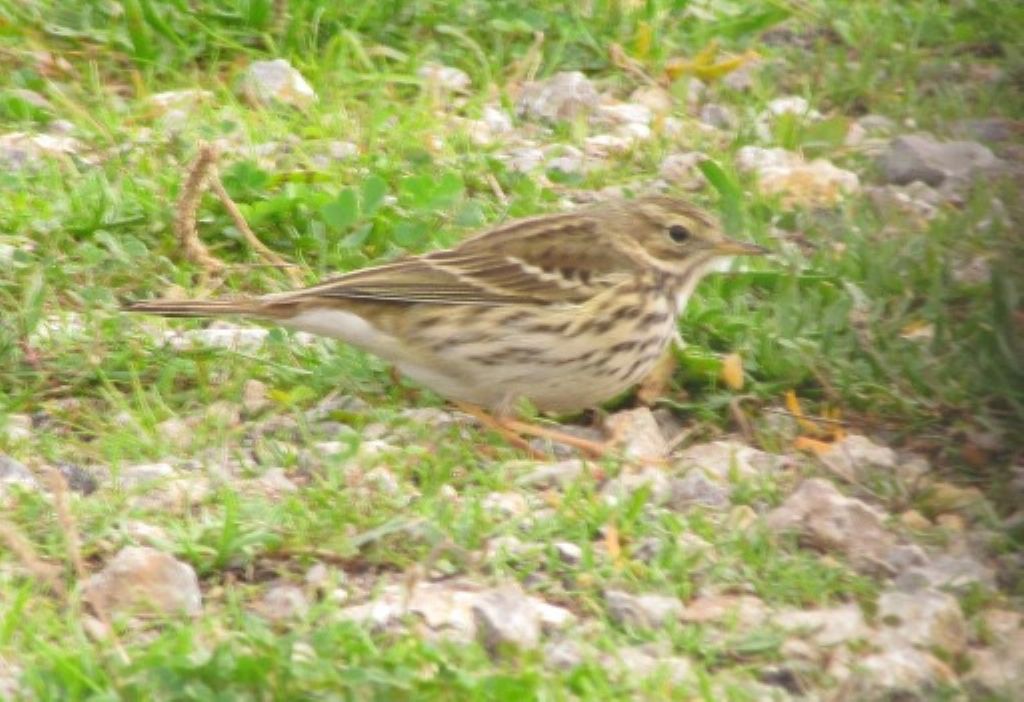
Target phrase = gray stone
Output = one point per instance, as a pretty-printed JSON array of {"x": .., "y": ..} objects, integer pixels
[
  {"x": 958, "y": 573},
  {"x": 827, "y": 520},
  {"x": 568, "y": 552},
  {"x": 506, "y": 617},
  {"x": 628, "y": 482},
  {"x": 22, "y": 150},
  {"x": 267, "y": 82},
  {"x": 447, "y": 610},
  {"x": 920, "y": 157},
  {"x": 145, "y": 475},
  {"x": 718, "y": 116},
  {"x": 566, "y": 654},
  {"x": 903, "y": 674},
  {"x": 446, "y": 78},
  {"x": 143, "y": 580},
  {"x": 695, "y": 490},
  {"x": 924, "y": 618},
  {"x": 642, "y": 611},
  {"x": 998, "y": 669},
  {"x": 12, "y": 472},
  {"x": 855, "y": 456},
  {"x": 991, "y": 129},
  {"x": 282, "y": 603},
  {"x": 681, "y": 169},
  {"x": 560, "y": 474},
  {"x": 505, "y": 504},
  {"x": 636, "y": 431},
  {"x": 16, "y": 427},
  {"x": 563, "y": 96},
  {"x": 723, "y": 459},
  {"x": 746, "y": 611},
  {"x": 646, "y": 661},
  {"x": 877, "y": 124},
  {"x": 78, "y": 479},
  {"x": 825, "y": 627}
]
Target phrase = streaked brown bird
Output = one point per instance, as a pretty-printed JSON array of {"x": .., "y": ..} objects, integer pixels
[{"x": 563, "y": 310}]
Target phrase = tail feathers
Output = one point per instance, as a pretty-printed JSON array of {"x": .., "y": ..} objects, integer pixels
[{"x": 198, "y": 308}]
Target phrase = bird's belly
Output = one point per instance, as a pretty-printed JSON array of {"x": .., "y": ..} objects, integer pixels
[{"x": 556, "y": 368}]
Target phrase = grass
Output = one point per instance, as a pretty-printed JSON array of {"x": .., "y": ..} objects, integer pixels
[{"x": 825, "y": 317}]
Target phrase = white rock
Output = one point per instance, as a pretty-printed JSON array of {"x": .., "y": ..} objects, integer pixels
[
  {"x": 628, "y": 482},
  {"x": 746, "y": 610},
  {"x": 506, "y": 504},
  {"x": 637, "y": 432},
  {"x": 444, "y": 77},
  {"x": 446, "y": 609},
  {"x": 266, "y": 82},
  {"x": 282, "y": 603},
  {"x": 721, "y": 460},
  {"x": 568, "y": 552},
  {"x": 17, "y": 427},
  {"x": 925, "y": 618},
  {"x": 20, "y": 150},
  {"x": 642, "y": 611},
  {"x": 830, "y": 521},
  {"x": 12, "y": 472},
  {"x": 792, "y": 105},
  {"x": 897, "y": 674},
  {"x": 718, "y": 116},
  {"x": 506, "y": 617},
  {"x": 144, "y": 475},
  {"x": 563, "y": 96},
  {"x": 274, "y": 484},
  {"x": 622, "y": 113},
  {"x": 178, "y": 99},
  {"x": 826, "y": 627},
  {"x": 602, "y": 145},
  {"x": 559, "y": 474},
  {"x": 342, "y": 150},
  {"x": 143, "y": 580},
  {"x": 647, "y": 660},
  {"x": 696, "y": 490},
  {"x": 999, "y": 669},
  {"x": 681, "y": 169},
  {"x": 228, "y": 337},
  {"x": 523, "y": 159},
  {"x": 854, "y": 457},
  {"x": 254, "y": 396},
  {"x": 654, "y": 98},
  {"x": 783, "y": 173}
]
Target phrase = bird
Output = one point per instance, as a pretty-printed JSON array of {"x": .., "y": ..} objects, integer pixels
[{"x": 564, "y": 310}]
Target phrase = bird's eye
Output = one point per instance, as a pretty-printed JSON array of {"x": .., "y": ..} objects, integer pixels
[{"x": 678, "y": 233}]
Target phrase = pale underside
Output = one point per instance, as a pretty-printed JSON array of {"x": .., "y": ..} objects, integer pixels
[{"x": 560, "y": 357}]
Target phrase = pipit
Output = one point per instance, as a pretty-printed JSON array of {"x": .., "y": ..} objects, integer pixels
[{"x": 563, "y": 310}]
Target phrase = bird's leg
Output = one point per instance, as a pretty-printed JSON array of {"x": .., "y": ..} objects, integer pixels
[
  {"x": 495, "y": 424},
  {"x": 594, "y": 449},
  {"x": 514, "y": 430}
]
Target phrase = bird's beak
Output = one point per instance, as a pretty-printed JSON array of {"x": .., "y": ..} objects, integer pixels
[{"x": 731, "y": 247}]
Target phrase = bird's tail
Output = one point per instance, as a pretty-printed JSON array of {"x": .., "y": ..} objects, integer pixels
[{"x": 199, "y": 308}]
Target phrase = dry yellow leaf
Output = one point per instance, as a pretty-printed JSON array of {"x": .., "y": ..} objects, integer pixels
[
  {"x": 612, "y": 543},
  {"x": 705, "y": 64},
  {"x": 806, "y": 443},
  {"x": 732, "y": 371},
  {"x": 642, "y": 40}
]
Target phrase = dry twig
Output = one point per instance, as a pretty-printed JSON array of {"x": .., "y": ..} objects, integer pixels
[
  {"x": 47, "y": 572},
  {"x": 188, "y": 205},
  {"x": 59, "y": 487},
  {"x": 236, "y": 215}
]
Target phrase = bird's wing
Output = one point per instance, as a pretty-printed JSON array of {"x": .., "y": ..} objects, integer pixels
[{"x": 529, "y": 261}]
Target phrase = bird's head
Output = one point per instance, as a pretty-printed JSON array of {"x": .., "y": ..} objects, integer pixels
[{"x": 679, "y": 238}]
